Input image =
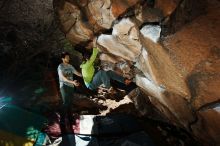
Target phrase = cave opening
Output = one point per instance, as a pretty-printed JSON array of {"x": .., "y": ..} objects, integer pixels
[{"x": 168, "y": 51}]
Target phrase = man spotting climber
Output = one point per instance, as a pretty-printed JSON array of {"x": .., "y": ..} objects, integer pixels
[
  {"x": 93, "y": 80},
  {"x": 70, "y": 96},
  {"x": 67, "y": 84},
  {"x": 67, "y": 89}
]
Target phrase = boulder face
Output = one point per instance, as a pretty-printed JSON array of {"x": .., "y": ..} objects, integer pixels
[
  {"x": 125, "y": 35},
  {"x": 72, "y": 22},
  {"x": 172, "y": 48},
  {"x": 81, "y": 21}
]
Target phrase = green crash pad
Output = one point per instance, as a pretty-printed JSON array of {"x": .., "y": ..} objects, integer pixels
[{"x": 17, "y": 124}]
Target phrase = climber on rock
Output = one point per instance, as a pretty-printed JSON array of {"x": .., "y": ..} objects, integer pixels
[
  {"x": 93, "y": 79},
  {"x": 70, "y": 96}
]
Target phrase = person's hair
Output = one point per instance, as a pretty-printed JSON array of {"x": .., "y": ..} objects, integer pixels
[
  {"x": 63, "y": 54},
  {"x": 86, "y": 56}
]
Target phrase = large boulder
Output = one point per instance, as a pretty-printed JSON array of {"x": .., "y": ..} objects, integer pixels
[
  {"x": 195, "y": 51},
  {"x": 178, "y": 73},
  {"x": 123, "y": 42},
  {"x": 72, "y": 22},
  {"x": 206, "y": 128},
  {"x": 80, "y": 21}
]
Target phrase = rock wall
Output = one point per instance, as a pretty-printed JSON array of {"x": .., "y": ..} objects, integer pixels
[
  {"x": 172, "y": 52},
  {"x": 29, "y": 37},
  {"x": 27, "y": 29}
]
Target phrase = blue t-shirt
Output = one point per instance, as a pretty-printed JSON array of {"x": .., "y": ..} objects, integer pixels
[{"x": 67, "y": 71}]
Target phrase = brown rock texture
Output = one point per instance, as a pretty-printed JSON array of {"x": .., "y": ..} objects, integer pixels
[
  {"x": 144, "y": 13},
  {"x": 207, "y": 126},
  {"x": 120, "y": 7},
  {"x": 72, "y": 22},
  {"x": 178, "y": 74},
  {"x": 167, "y": 6},
  {"x": 195, "y": 51},
  {"x": 80, "y": 21}
]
